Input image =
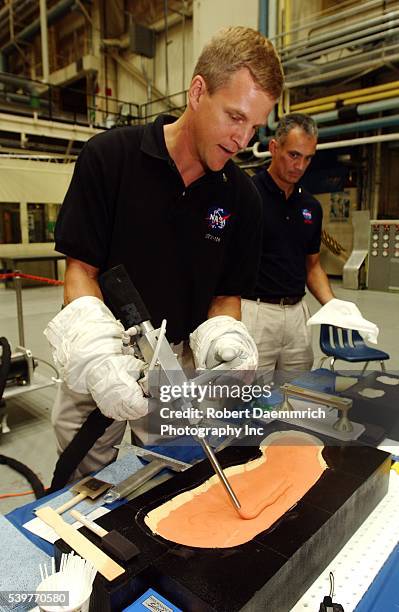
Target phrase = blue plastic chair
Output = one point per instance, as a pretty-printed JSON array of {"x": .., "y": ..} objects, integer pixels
[{"x": 348, "y": 345}]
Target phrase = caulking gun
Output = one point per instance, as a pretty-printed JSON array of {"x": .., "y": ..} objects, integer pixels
[{"x": 127, "y": 305}]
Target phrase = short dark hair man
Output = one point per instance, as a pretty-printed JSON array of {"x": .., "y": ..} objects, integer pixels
[
  {"x": 166, "y": 201},
  {"x": 275, "y": 312}
]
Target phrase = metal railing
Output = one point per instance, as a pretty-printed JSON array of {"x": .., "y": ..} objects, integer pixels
[{"x": 23, "y": 96}]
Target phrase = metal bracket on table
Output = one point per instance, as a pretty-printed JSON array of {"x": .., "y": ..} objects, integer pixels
[{"x": 341, "y": 428}]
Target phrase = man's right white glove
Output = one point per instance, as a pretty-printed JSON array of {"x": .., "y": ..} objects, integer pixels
[{"x": 87, "y": 349}]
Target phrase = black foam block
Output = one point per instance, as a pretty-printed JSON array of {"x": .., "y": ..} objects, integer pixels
[
  {"x": 116, "y": 544},
  {"x": 270, "y": 572}
]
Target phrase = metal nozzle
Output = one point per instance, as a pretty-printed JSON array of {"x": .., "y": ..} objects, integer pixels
[{"x": 222, "y": 477}]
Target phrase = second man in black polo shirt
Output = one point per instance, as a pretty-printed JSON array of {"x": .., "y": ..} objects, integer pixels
[{"x": 275, "y": 313}]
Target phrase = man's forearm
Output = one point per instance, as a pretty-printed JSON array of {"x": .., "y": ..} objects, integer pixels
[
  {"x": 80, "y": 280},
  {"x": 229, "y": 305},
  {"x": 319, "y": 285}
]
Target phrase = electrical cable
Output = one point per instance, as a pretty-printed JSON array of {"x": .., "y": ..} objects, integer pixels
[
  {"x": 331, "y": 576},
  {"x": 328, "y": 605},
  {"x": 34, "y": 481},
  {"x": 7, "y": 495},
  {"x": 91, "y": 430},
  {"x": 19, "y": 494},
  {"x": 50, "y": 365}
]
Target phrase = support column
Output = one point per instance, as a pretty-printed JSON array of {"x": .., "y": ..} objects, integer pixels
[
  {"x": 43, "y": 32},
  {"x": 23, "y": 215}
]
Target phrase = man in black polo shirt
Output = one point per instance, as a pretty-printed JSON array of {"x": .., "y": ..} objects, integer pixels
[
  {"x": 275, "y": 312},
  {"x": 166, "y": 201}
]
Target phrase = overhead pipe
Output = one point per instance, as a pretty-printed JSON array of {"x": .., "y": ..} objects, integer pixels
[
  {"x": 183, "y": 45},
  {"x": 263, "y": 18},
  {"x": 346, "y": 67},
  {"x": 360, "y": 126},
  {"x": 284, "y": 17},
  {"x": 319, "y": 43},
  {"x": 15, "y": 81},
  {"x": 340, "y": 67},
  {"x": 44, "y": 41},
  {"x": 339, "y": 41},
  {"x": 311, "y": 110},
  {"x": 376, "y": 107},
  {"x": 22, "y": 99},
  {"x": 365, "y": 6},
  {"x": 264, "y": 26},
  {"x": 361, "y": 110},
  {"x": 165, "y": 12},
  {"x": 372, "y": 97},
  {"x": 354, "y": 142},
  {"x": 339, "y": 144},
  {"x": 343, "y": 43},
  {"x": 287, "y": 21},
  {"x": 53, "y": 14},
  {"x": 268, "y": 27},
  {"x": 345, "y": 94},
  {"x": 318, "y": 108}
]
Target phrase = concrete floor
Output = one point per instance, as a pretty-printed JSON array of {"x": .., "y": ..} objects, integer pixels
[{"x": 31, "y": 439}]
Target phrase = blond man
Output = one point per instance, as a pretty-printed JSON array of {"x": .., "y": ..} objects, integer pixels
[{"x": 167, "y": 201}]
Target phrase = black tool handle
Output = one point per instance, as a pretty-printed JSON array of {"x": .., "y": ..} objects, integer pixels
[{"x": 122, "y": 297}]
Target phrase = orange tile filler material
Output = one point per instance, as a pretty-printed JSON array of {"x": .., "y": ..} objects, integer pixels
[{"x": 291, "y": 463}]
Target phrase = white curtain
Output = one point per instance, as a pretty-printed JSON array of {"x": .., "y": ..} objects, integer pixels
[{"x": 34, "y": 181}]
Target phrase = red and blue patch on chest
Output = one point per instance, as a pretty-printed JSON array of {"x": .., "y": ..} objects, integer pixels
[
  {"x": 217, "y": 220},
  {"x": 307, "y": 216}
]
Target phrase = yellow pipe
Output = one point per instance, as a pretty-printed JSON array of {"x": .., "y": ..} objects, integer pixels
[
  {"x": 288, "y": 11},
  {"x": 314, "y": 109},
  {"x": 280, "y": 107},
  {"x": 345, "y": 95},
  {"x": 311, "y": 110},
  {"x": 286, "y": 94},
  {"x": 372, "y": 98}
]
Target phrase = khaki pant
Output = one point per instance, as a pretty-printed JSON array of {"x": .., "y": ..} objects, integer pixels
[
  {"x": 71, "y": 410},
  {"x": 284, "y": 341}
]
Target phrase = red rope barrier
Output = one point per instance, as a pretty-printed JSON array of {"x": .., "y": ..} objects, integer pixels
[{"x": 42, "y": 279}]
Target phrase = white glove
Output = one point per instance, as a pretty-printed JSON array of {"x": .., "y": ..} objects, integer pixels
[
  {"x": 87, "y": 349},
  {"x": 219, "y": 339},
  {"x": 347, "y": 315}
]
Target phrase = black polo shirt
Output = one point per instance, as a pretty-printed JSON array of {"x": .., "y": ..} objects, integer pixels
[
  {"x": 127, "y": 204},
  {"x": 291, "y": 230}
]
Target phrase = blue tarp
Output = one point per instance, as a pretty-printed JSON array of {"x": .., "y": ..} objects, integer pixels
[{"x": 383, "y": 594}]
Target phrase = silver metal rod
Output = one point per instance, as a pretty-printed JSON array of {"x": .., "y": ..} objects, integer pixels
[
  {"x": 20, "y": 315},
  {"x": 222, "y": 477}
]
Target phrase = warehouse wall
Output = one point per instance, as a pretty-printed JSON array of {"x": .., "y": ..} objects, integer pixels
[
  {"x": 131, "y": 89},
  {"x": 210, "y": 16}
]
